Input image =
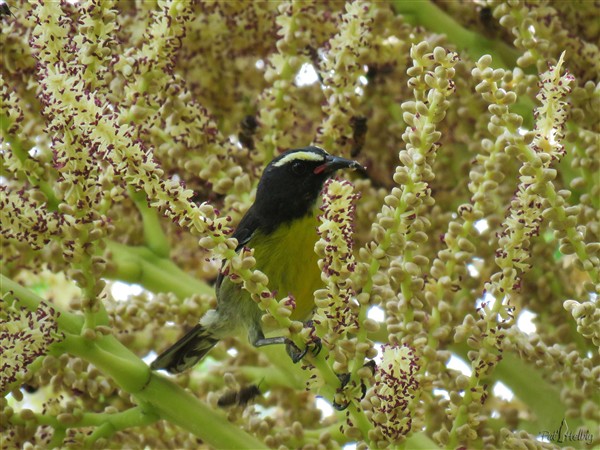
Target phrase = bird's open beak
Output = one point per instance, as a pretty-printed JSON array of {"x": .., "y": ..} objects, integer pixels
[{"x": 333, "y": 163}]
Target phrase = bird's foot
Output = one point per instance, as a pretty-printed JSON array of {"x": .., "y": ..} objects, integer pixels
[
  {"x": 297, "y": 354},
  {"x": 345, "y": 379}
]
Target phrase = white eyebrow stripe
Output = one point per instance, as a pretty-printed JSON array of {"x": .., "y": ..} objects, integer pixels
[{"x": 299, "y": 156}]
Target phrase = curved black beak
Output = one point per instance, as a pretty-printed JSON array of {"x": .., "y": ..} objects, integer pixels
[{"x": 333, "y": 163}]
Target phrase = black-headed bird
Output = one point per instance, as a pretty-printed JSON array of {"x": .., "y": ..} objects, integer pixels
[{"x": 281, "y": 228}]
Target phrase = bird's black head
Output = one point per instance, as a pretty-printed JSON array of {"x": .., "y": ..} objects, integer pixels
[{"x": 292, "y": 182}]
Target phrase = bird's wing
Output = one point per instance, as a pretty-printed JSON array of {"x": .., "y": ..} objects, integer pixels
[
  {"x": 186, "y": 352},
  {"x": 243, "y": 233},
  {"x": 246, "y": 229}
]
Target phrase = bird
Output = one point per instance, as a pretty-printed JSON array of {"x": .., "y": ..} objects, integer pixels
[{"x": 281, "y": 228}]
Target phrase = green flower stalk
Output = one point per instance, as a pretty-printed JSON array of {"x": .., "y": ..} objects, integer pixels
[
  {"x": 336, "y": 308},
  {"x": 277, "y": 103},
  {"x": 342, "y": 70},
  {"x": 522, "y": 224},
  {"x": 337, "y": 312}
]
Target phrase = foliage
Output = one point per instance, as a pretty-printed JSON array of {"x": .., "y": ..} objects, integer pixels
[{"x": 133, "y": 136}]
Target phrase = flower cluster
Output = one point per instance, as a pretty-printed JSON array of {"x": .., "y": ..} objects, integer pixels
[
  {"x": 538, "y": 30},
  {"x": 342, "y": 69},
  {"x": 277, "y": 114},
  {"x": 336, "y": 306},
  {"x": 336, "y": 317},
  {"x": 25, "y": 336},
  {"x": 520, "y": 227},
  {"x": 393, "y": 393},
  {"x": 27, "y": 223},
  {"x": 587, "y": 315}
]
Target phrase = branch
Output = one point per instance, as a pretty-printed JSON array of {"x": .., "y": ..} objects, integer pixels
[
  {"x": 156, "y": 395},
  {"x": 429, "y": 15},
  {"x": 157, "y": 274},
  {"x": 154, "y": 236}
]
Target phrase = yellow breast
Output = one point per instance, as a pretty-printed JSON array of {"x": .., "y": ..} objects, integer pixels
[{"x": 288, "y": 258}]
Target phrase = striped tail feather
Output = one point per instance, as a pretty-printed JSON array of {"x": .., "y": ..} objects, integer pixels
[{"x": 186, "y": 352}]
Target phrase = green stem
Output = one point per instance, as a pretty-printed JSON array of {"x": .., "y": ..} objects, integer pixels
[
  {"x": 419, "y": 441},
  {"x": 281, "y": 373},
  {"x": 108, "y": 424},
  {"x": 381, "y": 335},
  {"x": 58, "y": 437},
  {"x": 142, "y": 266},
  {"x": 104, "y": 431},
  {"x": 333, "y": 430},
  {"x": 155, "y": 394},
  {"x": 110, "y": 356},
  {"x": 154, "y": 236},
  {"x": 179, "y": 407},
  {"x": 429, "y": 15},
  {"x": 158, "y": 395}
]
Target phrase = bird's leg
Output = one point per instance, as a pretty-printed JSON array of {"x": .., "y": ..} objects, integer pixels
[
  {"x": 292, "y": 349},
  {"x": 344, "y": 378},
  {"x": 262, "y": 341}
]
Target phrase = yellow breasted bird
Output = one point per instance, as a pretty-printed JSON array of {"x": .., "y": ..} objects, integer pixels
[{"x": 281, "y": 228}]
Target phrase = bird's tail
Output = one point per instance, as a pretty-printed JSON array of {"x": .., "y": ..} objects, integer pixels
[{"x": 186, "y": 352}]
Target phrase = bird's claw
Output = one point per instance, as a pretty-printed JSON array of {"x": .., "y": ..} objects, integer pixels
[
  {"x": 296, "y": 354},
  {"x": 363, "y": 390},
  {"x": 339, "y": 407},
  {"x": 316, "y": 346},
  {"x": 345, "y": 379},
  {"x": 363, "y": 387}
]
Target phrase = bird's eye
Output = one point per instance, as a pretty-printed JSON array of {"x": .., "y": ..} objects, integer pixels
[{"x": 298, "y": 168}]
